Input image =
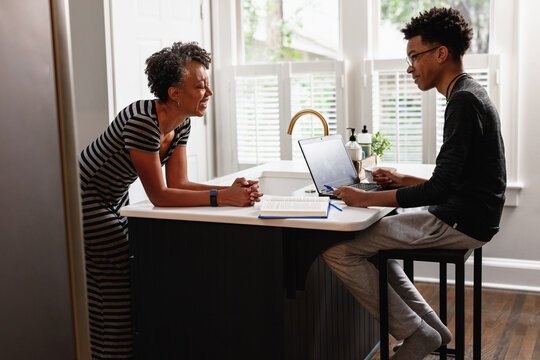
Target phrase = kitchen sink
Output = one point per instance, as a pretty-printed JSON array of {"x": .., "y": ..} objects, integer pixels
[{"x": 282, "y": 183}]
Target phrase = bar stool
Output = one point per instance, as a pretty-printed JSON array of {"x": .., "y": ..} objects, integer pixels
[{"x": 443, "y": 257}]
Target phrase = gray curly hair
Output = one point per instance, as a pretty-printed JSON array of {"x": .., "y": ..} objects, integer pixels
[{"x": 167, "y": 67}]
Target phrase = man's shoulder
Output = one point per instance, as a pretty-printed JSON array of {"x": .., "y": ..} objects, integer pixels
[
  {"x": 469, "y": 91},
  {"x": 465, "y": 100}
]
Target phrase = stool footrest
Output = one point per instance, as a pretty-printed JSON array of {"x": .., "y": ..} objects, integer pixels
[{"x": 449, "y": 351}]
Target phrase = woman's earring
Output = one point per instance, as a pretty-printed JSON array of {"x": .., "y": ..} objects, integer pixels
[{"x": 178, "y": 104}]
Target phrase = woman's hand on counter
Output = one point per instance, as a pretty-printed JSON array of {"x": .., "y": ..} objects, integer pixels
[{"x": 242, "y": 192}]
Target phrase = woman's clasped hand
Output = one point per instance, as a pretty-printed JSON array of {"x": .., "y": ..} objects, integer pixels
[{"x": 242, "y": 192}]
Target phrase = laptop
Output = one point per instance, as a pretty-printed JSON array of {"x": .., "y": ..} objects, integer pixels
[{"x": 329, "y": 164}]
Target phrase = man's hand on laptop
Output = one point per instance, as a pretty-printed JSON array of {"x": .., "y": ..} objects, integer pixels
[
  {"x": 389, "y": 178},
  {"x": 352, "y": 196},
  {"x": 360, "y": 198}
]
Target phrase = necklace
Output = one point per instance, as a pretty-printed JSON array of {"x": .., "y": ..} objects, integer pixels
[{"x": 451, "y": 82}]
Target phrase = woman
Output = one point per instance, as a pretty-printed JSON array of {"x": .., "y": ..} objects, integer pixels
[{"x": 144, "y": 136}]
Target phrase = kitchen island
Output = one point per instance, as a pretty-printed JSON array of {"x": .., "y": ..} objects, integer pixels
[{"x": 220, "y": 283}]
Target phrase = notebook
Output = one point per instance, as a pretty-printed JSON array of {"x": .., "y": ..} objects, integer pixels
[
  {"x": 330, "y": 165},
  {"x": 280, "y": 207}
]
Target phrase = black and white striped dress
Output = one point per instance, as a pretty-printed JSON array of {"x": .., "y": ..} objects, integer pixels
[{"x": 106, "y": 171}]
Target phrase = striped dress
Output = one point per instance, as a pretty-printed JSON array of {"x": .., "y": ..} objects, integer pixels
[{"x": 106, "y": 171}]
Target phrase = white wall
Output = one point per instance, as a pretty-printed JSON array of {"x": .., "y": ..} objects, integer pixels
[{"x": 520, "y": 234}]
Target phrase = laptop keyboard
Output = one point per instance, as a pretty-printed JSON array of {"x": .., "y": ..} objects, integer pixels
[
  {"x": 361, "y": 186},
  {"x": 366, "y": 186}
]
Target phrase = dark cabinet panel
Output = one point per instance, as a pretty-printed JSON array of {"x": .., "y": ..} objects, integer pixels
[{"x": 225, "y": 291}]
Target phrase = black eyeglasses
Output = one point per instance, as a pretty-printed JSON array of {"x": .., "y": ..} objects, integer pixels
[{"x": 412, "y": 58}]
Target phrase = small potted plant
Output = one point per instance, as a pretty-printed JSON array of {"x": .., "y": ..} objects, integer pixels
[{"x": 379, "y": 144}]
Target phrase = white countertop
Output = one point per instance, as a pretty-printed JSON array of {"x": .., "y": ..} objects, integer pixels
[{"x": 350, "y": 219}]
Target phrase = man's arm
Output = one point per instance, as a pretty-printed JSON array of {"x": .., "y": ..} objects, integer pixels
[
  {"x": 462, "y": 126},
  {"x": 360, "y": 198},
  {"x": 390, "y": 178}
]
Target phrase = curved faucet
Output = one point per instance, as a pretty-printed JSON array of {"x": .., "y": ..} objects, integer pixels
[{"x": 304, "y": 112}]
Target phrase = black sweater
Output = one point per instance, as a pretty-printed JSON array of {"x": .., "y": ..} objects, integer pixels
[{"x": 467, "y": 187}]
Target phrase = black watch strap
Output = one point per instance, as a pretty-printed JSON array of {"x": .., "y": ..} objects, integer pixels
[{"x": 213, "y": 197}]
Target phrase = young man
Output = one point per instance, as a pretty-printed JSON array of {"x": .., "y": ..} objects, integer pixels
[{"x": 465, "y": 194}]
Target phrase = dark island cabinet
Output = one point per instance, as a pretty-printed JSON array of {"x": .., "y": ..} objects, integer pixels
[{"x": 205, "y": 290}]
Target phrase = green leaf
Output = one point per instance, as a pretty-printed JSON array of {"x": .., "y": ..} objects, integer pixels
[{"x": 379, "y": 144}]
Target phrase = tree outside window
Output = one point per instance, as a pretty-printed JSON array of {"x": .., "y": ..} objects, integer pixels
[
  {"x": 394, "y": 14},
  {"x": 289, "y": 30}
]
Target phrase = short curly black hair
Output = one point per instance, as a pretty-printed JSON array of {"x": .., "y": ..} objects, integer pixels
[
  {"x": 445, "y": 26},
  {"x": 167, "y": 67}
]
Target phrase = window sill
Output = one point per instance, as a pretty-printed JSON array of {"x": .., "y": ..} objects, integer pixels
[{"x": 512, "y": 194}]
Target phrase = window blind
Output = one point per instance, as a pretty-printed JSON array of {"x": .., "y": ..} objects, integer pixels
[
  {"x": 257, "y": 119},
  {"x": 397, "y": 113},
  {"x": 268, "y": 96},
  {"x": 315, "y": 91}
]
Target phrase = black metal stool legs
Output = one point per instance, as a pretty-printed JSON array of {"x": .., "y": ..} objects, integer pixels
[
  {"x": 408, "y": 268},
  {"x": 442, "y": 303},
  {"x": 383, "y": 313},
  {"x": 460, "y": 311},
  {"x": 477, "y": 322}
]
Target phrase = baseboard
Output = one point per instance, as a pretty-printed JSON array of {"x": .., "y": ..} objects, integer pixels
[{"x": 499, "y": 273}]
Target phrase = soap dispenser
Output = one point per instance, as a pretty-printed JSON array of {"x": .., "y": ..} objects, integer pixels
[
  {"x": 364, "y": 139},
  {"x": 354, "y": 150}
]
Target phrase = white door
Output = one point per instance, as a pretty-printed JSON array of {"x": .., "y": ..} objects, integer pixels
[{"x": 140, "y": 28}]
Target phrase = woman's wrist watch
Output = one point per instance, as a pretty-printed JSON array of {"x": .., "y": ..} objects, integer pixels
[{"x": 213, "y": 197}]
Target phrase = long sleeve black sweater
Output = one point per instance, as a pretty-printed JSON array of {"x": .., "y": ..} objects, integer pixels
[{"x": 467, "y": 187}]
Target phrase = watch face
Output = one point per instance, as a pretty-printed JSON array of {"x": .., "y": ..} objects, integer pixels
[{"x": 213, "y": 197}]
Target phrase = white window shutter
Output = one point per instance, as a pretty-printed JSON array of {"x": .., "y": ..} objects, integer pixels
[
  {"x": 315, "y": 91},
  {"x": 397, "y": 113},
  {"x": 399, "y": 109},
  {"x": 257, "y": 119},
  {"x": 260, "y": 97}
]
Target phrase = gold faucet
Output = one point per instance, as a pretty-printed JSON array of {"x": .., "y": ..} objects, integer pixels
[{"x": 304, "y": 112}]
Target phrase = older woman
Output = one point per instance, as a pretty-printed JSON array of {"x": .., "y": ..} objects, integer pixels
[{"x": 143, "y": 137}]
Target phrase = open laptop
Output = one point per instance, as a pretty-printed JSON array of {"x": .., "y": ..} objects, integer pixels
[{"x": 329, "y": 164}]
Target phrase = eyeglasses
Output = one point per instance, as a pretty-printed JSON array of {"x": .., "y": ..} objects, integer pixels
[{"x": 412, "y": 58}]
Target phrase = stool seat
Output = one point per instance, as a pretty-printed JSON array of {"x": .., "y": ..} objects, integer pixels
[{"x": 443, "y": 257}]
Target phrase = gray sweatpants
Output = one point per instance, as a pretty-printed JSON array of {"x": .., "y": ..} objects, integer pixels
[{"x": 410, "y": 230}]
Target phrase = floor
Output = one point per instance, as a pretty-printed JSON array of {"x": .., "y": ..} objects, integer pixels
[{"x": 510, "y": 322}]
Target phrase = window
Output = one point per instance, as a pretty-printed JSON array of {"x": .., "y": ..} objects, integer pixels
[
  {"x": 287, "y": 63},
  {"x": 267, "y": 97},
  {"x": 406, "y": 115},
  {"x": 397, "y": 113},
  {"x": 288, "y": 30},
  {"x": 394, "y": 14},
  {"x": 367, "y": 70},
  {"x": 313, "y": 90},
  {"x": 257, "y": 119},
  {"x": 413, "y": 120}
]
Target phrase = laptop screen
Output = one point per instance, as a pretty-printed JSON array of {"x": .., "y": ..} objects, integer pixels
[{"x": 328, "y": 162}]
